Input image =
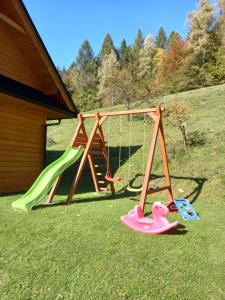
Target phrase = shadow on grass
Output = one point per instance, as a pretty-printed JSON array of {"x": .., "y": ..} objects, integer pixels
[
  {"x": 179, "y": 230},
  {"x": 86, "y": 184},
  {"x": 96, "y": 198},
  {"x": 194, "y": 194},
  {"x": 123, "y": 193}
]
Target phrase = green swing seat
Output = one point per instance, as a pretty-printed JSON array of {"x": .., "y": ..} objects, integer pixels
[{"x": 134, "y": 189}]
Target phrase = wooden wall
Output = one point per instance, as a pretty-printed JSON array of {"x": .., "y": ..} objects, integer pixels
[
  {"x": 22, "y": 135},
  {"x": 13, "y": 64}
]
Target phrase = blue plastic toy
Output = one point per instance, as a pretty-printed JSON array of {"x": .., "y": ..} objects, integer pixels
[{"x": 186, "y": 210}]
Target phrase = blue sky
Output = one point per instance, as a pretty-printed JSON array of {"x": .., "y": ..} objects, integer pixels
[{"x": 64, "y": 24}]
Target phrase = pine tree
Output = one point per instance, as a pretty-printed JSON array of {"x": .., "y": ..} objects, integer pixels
[
  {"x": 174, "y": 36},
  {"x": 135, "y": 52},
  {"x": 123, "y": 53},
  {"x": 161, "y": 39},
  {"x": 85, "y": 58},
  {"x": 87, "y": 67},
  {"x": 81, "y": 78},
  {"x": 139, "y": 40},
  {"x": 107, "y": 47}
]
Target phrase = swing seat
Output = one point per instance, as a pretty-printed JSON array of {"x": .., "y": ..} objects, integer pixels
[
  {"x": 134, "y": 189},
  {"x": 111, "y": 179},
  {"x": 158, "y": 224}
]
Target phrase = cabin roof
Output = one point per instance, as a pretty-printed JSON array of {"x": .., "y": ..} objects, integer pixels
[{"x": 52, "y": 92}]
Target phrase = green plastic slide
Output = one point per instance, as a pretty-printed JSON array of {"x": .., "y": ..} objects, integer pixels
[{"x": 46, "y": 179}]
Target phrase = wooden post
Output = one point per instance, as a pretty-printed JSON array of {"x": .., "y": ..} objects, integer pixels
[
  {"x": 82, "y": 163},
  {"x": 165, "y": 160},
  {"x": 105, "y": 154},
  {"x": 53, "y": 189},
  {"x": 158, "y": 130},
  {"x": 145, "y": 185},
  {"x": 56, "y": 184}
]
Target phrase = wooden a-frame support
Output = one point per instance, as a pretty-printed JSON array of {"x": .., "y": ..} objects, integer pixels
[{"x": 95, "y": 145}]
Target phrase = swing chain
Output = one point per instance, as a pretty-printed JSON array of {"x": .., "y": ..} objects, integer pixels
[
  {"x": 129, "y": 153},
  {"x": 120, "y": 142},
  {"x": 143, "y": 147},
  {"x": 108, "y": 150}
]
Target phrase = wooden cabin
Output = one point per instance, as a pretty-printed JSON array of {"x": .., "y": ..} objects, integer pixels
[{"x": 31, "y": 92}]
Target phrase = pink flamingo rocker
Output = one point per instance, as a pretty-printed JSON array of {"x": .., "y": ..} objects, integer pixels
[{"x": 158, "y": 224}]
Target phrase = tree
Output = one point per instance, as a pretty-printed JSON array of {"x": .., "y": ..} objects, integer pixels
[
  {"x": 87, "y": 67},
  {"x": 106, "y": 74},
  {"x": 107, "y": 47},
  {"x": 87, "y": 100},
  {"x": 122, "y": 87},
  {"x": 150, "y": 59},
  {"x": 175, "y": 58},
  {"x": 139, "y": 40},
  {"x": 161, "y": 39},
  {"x": 203, "y": 45},
  {"x": 177, "y": 114},
  {"x": 200, "y": 38},
  {"x": 135, "y": 50},
  {"x": 222, "y": 21},
  {"x": 81, "y": 79},
  {"x": 218, "y": 69},
  {"x": 70, "y": 78},
  {"x": 174, "y": 35},
  {"x": 85, "y": 58},
  {"x": 123, "y": 54},
  {"x": 146, "y": 64}
]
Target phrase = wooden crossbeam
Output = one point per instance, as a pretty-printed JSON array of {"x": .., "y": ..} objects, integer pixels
[
  {"x": 104, "y": 115},
  {"x": 11, "y": 23},
  {"x": 152, "y": 190}
]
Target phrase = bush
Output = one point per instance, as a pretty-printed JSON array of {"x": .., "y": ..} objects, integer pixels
[{"x": 196, "y": 138}]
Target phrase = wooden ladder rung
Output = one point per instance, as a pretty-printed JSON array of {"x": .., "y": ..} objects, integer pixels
[
  {"x": 101, "y": 182},
  {"x": 104, "y": 189},
  {"x": 95, "y": 152},
  {"x": 100, "y": 166}
]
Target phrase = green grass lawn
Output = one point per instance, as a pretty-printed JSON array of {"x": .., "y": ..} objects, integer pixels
[{"x": 82, "y": 251}]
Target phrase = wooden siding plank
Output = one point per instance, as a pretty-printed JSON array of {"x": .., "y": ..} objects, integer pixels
[
  {"x": 19, "y": 169},
  {"x": 12, "y": 148}
]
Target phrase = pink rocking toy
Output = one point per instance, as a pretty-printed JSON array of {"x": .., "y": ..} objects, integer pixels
[{"x": 158, "y": 224}]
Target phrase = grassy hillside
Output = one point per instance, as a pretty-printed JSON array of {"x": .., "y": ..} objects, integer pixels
[{"x": 82, "y": 251}]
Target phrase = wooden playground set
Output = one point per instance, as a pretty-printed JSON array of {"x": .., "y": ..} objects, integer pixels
[{"x": 93, "y": 147}]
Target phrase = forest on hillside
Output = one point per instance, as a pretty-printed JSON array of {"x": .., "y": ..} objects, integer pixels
[{"x": 152, "y": 66}]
